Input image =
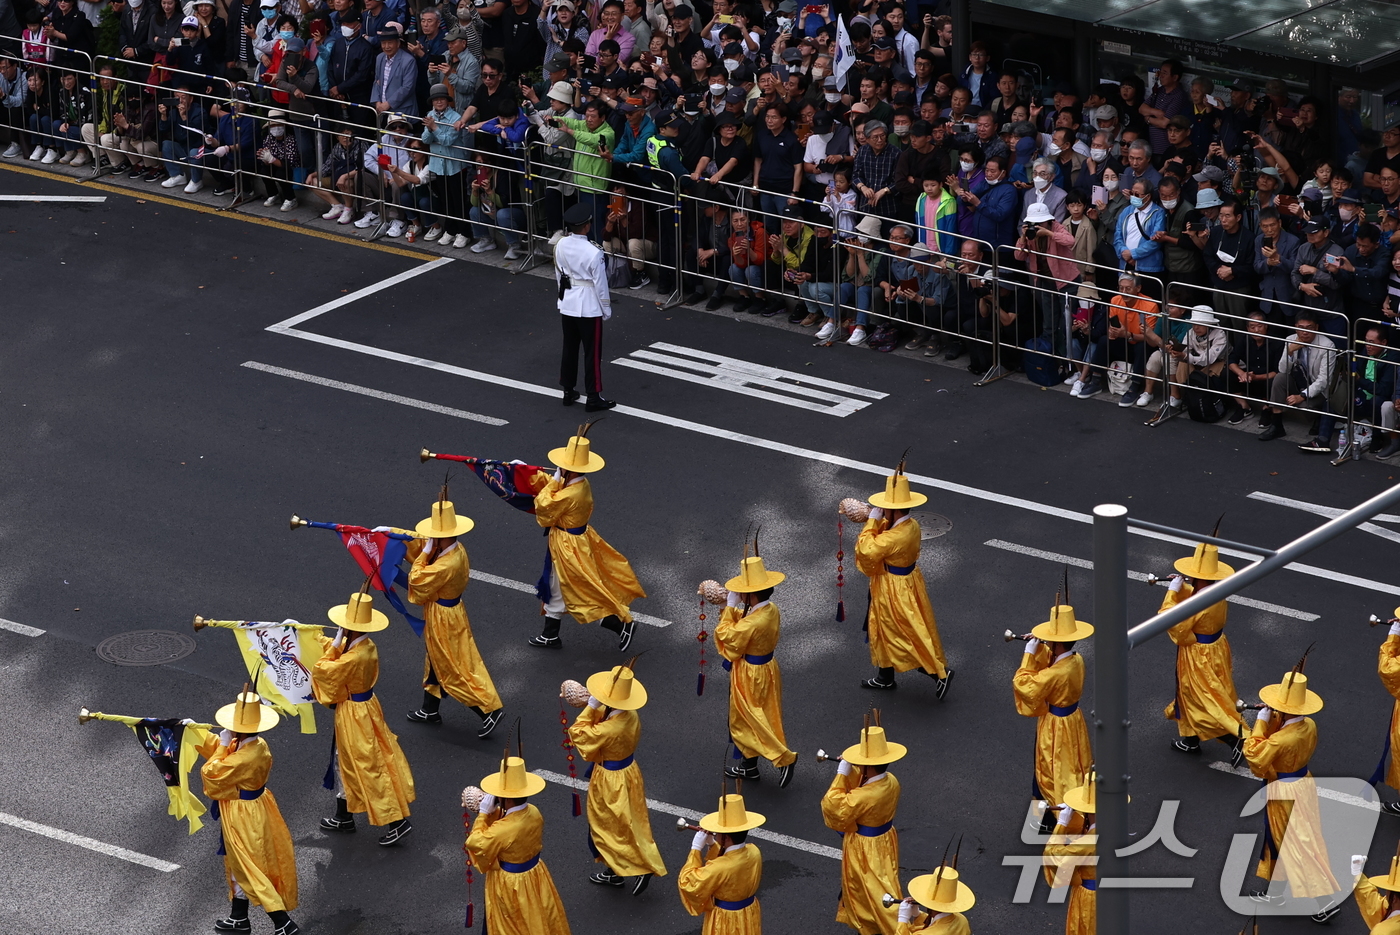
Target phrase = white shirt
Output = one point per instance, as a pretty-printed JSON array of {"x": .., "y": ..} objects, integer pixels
[
  {"x": 586, "y": 266},
  {"x": 816, "y": 152},
  {"x": 1132, "y": 231}
]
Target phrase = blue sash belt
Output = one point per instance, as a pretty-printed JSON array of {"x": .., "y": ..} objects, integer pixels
[
  {"x": 751, "y": 660},
  {"x": 874, "y": 831},
  {"x": 249, "y": 794},
  {"x": 1066, "y": 711},
  {"x": 362, "y": 696},
  {"x": 449, "y": 601},
  {"x": 1089, "y": 885},
  {"x": 1205, "y": 639},
  {"x": 509, "y": 867},
  {"x": 734, "y": 905},
  {"x": 577, "y": 530},
  {"x": 1296, "y": 774},
  {"x": 900, "y": 570},
  {"x": 618, "y": 764}
]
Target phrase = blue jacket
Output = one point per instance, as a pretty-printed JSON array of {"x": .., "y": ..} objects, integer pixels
[
  {"x": 1148, "y": 257},
  {"x": 1276, "y": 282},
  {"x": 403, "y": 80},
  {"x": 351, "y": 62},
  {"x": 994, "y": 220},
  {"x": 632, "y": 147},
  {"x": 986, "y": 90},
  {"x": 238, "y": 132},
  {"x": 443, "y": 141}
]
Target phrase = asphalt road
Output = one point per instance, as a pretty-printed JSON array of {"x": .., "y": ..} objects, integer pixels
[{"x": 148, "y": 474}]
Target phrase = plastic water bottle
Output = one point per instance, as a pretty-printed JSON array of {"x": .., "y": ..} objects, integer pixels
[{"x": 1342, "y": 442}]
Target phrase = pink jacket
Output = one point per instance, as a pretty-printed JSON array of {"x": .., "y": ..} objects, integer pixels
[{"x": 1060, "y": 257}]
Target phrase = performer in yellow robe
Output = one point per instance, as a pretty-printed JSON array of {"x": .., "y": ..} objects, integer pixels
[
  {"x": 436, "y": 582},
  {"x": 722, "y": 872},
  {"x": 861, "y": 804},
  {"x": 1388, "y": 668},
  {"x": 747, "y": 636},
  {"x": 1067, "y": 855},
  {"x": 371, "y": 770},
  {"x": 504, "y": 844},
  {"x": 943, "y": 897},
  {"x": 1278, "y": 751},
  {"x": 900, "y": 626},
  {"x": 1047, "y": 687},
  {"x": 584, "y": 577},
  {"x": 619, "y": 826},
  {"x": 1375, "y": 896},
  {"x": 1204, "y": 706},
  {"x": 258, "y": 857}
]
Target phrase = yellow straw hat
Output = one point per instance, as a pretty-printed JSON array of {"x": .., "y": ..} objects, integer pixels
[
  {"x": 1391, "y": 881},
  {"x": 512, "y": 781},
  {"x": 731, "y": 817},
  {"x": 618, "y": 688},
  {"x": 942, "y": 891},
  {"x": 1291, "y": 695},
  {"x": 444, "y": 523},
  {"x": 873, "y": 749},
  {"x": 1062, "y": 627},
  {"x": 1204, "y": 563},
  {"x": 897, "y": 495},
  {"x": 358, "y": 614},
  {"x": 753, "y": 576},
  {"x": 247, "y": 715},
  {"x": 1084, "y": 798},
  {"x": 576, "y": 456}
]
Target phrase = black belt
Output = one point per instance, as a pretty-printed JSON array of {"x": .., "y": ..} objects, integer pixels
[
  {"x": 449, "y": 601},
  {"x": 900, "y": 570},
  {"x": 1205, "y": 639},
  {"x": 249, "y": 794},
  {"x": 362, "y": 696}
]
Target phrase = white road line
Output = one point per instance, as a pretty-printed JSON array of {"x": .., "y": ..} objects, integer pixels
[
  {"x": 32, "y": 198},
  {"x": 878, "y": 470},
  {"x": 1330, "y": 512},
  {"x": 101, "y": 847},
  {"x": 375, "y": 394},
  {"x": 727, "y": 375},
  {"x": 1142, "y": 576},
  {"x": 772, "y": 373},
  {"x": 691, "y": 814},
  {"x": 478, "y": 575},
  {"x": 1324, "y": 793},
  {"x": 20, "y": 628},
  {"x": 735, "y": 386},
  {"x": 366, "y": 291}
]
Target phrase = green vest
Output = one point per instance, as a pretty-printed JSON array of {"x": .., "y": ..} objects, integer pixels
[{"x": 654, "y": 147}]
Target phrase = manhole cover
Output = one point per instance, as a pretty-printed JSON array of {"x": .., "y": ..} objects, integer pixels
[
  {"x": 932, "y": 525},
  {"x": 145, "y": 648}
]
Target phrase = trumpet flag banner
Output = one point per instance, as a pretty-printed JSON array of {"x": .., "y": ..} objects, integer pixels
[
  {"x": 515, "y": 482},
  {"x": 279, "y": 658},
  {"x": 172, "y": 746},
  {"x": 378, "y": 553}
]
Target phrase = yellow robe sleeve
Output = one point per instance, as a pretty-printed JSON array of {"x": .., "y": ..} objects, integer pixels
[
  {"x": 550, "y": 503},
  {"x": 872, "y": 547},
  {"x": 426, "y": 580},
  {"x": 1033, "y": 682},
  {"x": 841, "y": 803},
  {"x": 1182, "y": 634},
  {"x": 734, "y": 631},
  {"x": 697, "y": 882},
  {"x": 225, "y": 771},
  {"x": 590, "y": 733},
  {"x": 1370, "y": 901},
  {"x": 1261, "y": 749},
  {"x": 485, "y": 843},
  {"x": 1067, "y": 848},
  {"x": 1388, "y": 665},
  {"x": 330, "y": 672}
]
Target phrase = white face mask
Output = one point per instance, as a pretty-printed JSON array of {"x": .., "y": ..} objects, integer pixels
[
  {"x": 901, "y": 130},
  {"x": 1041, "y": 184},
  {"x": 718, "y": 89},
  {"x": 1346, "y": 212},
  {"x": 967, "y": 165},
  {"x": 278, "y": 131},
  {"x": 732, "y": 64},
  {"x": 1098, "y": 155},
  {"x": 833, "y": 97},
  {"x": 348, "y": 32},
  {"x": 818, "y": 72},
  {"x": 1052, "y": 150},
  {"x": 1110, "y": 184},
  {"x": 1169, "y": 203},
  {"x": 993, "y": 181}
]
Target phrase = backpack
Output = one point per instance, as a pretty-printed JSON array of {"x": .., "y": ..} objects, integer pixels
[
  {"x": 1203, "y": 406},
  {"x": 884, "y": 338},
  {"x": 1041, "y": 368}
]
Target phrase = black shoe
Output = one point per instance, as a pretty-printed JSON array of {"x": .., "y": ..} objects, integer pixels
[
  {"x": 639, "y": 280},
  {"x": 217, "y": 192},
  {"x": 695, "y": 298},
  {"x": 424, "y": 717},
  {"x": 641, "y": 885},
  {"x": 624, "y": 639},
  {"x": 1316, "y": 446},
  {"x": 548, "y": 642},
  {"x": 1325, "y": 916},
  {"x": 1272, "y": 432},
  {"x": 741, "y": 304},
  {"x": 290, "y": 928},
  {"x": 343, "y": 825},
  {"x": 117, "y": 169},
  {"x": 606, "y": 878},
  {"x": 943, "y": 684},
  {"x": 953, "y": 351},
  {"x": 785, "y": 775},
  {"x": 797, "y": 317},
  {"x": 488, "y": 723},
  {"x": 599, "y": 404},
  {"x": 230, "y": 924},
  {"x": 878, "y": 685},
  {"x": 1390, "y": 808},
  {"x": 397, "y": 832},
  {"x": 739, "y": 772},
  {"x": 773, "y": 309},
  {"x": 1238, "y": 416},
  {"x": 570, "y": 397},
  {"x": 136, "y": 172},
  {"x": 152, "y": 175},
  {"x": 715, "y": 302},
  {"x": 1185, "y": 746}
]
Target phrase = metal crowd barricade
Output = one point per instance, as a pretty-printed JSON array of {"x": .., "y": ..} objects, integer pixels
[
  {"x": 53, "y": 76},
  {"x": 1379, "y": 416}
]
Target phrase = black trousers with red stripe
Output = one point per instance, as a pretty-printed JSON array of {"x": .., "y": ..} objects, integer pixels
[{"x": 587, "y": 332}]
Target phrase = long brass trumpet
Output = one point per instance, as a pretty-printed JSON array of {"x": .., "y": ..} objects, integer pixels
[
  {"x": 889, "y": 900},
  {"x": 823, "y": 756},
  {"x": 1023, "y": 637},
  {"x": 1242, "y": 705},
  {"x": 84, "y": 715},
  {"x": 681, "y": 823},
  {"x": 424, "y": 456},
  {"x": 1153, "y": 581},
  {"x": 1377, "y": 620},
  {"x": 201, "y": 622}
]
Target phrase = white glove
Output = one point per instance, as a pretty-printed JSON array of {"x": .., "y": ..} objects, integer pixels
[
  {"x": 1358, "y": 863},
  {"x": 1032, "y": 646},
  {"x": 702, "y": 841},
  {"x": 876, "y": 513},
  {"x": 186, "y": 720},
  {"x": 488, "y": 804},
  {"x": 594, "y": 702},
  {"x": 1264, "y": 716},
  {"x": 226, "y": 737},
  {"x": 1065, "y": 817},
  {"x": 1177, "y": 582},
  {"x": 267, "y": 157},
  {"x": 558, "y": 473},
  {"x": 221, "y": 151},
  {"x": 381, "y": 529},
  {"x": 845, "y": 769},
  {"x": 1395, "y": 628},
  {"x": 907, "y": 911},
  {"x": 732, "y": 599}
]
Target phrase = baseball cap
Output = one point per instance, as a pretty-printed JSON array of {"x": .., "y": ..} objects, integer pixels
[
  {"x": 668, "y": 119},
  {"x": 1179, "y": 121},
  {"x": 1349, "y": 197},
  {"x": 559, "y": 61},
  {"x": 189, "y": 22},
  {"x": 735, "y": 96},
  {"x": 1210, "y": 174},
  {"x": 884, "y": 42},
  {"x": 682, "y": 12},
  {"x": 1244, "y": 87},
  {"x": 1106, "y": 112},
  {"x": 626, "y": 107},
  {"x": 269, "y": 3},
  {"x": 792, "y": 56},
  {"x": 822, "y": 122},
  {"x": 793, "y": 213},
  {"x": 733, "y": 48},
  {"x": 1315, "y": 226}
]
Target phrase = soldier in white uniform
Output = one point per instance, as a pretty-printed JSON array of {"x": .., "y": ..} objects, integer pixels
[{"x": 581, "y": 271}]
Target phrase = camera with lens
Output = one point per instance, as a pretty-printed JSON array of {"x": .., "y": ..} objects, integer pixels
[{"x": 1248, "y": 164}]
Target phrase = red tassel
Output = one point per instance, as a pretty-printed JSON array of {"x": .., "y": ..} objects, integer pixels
[
  {"x": 466, "y": 824},
  {"x": 578, "y": 806},
  {"x": 569, "y": 746}
]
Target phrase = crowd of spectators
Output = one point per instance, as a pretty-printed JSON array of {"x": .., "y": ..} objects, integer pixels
[{"x": 1230, "y": 237}]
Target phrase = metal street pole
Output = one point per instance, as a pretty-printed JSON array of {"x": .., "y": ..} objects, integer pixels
[{"x": 1111, "y": 709}]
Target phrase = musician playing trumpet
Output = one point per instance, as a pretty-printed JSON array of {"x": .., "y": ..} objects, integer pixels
[
  {"x": 1388, "y": 668},
  {"x": 1204, "y": 706}
]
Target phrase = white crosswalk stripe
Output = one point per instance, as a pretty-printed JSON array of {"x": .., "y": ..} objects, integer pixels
[{"x": 741, "y": 376}]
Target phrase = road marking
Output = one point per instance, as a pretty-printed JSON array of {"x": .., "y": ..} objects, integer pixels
[
  {"x": 1142, "y": 576},
  {"x": 375, "y": 394},
  {"x": 690, "y": 814},
  {"x": 478, "y": 575},
  {"x": 1330, "y": 512},
  {"x": 101, "y": 847},
  {"x": 750, "y": 379},
  {"x": 878, "y": 470},
  {"x": 31, "y": 198},
  {"x": 20, "y": 628},
  {"x": 362, "y": 293},
  {"x": 1322, "y": 792}
]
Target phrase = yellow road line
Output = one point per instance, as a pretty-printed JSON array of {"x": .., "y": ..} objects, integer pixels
[{"x": 206, "y": 209}]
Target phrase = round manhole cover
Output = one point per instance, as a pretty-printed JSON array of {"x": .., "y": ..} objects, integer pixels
[
  {"x": 932, "y": 525},
  {"x": 145, "y": 648}
]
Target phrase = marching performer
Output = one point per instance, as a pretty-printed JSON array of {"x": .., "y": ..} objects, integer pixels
[
  {"x": 1388, "y": 667},
  {"x": 1375, "y": 896},
  {"x": 371, "y": 770},
  {"x": 504, "y": 844},
  {"x": 1047, "y": 687},
  {"x": 943, "y": 897},
  {"x": 1069, "y": 856},
  {"x": 746, "y": 636},
  {"x": 722, "y": 872},
  {"x": 258, "y": 858},
  {"x": 605, "y": 734},
  {"x": 1204, "y": 706},
  {"x": 1278, "y": 751},
  {"x": 860, "y": 805},
  {"x": 436, "y": 581},
  {"x": 901, "y": 628},
  {"x": 583, "y": 575}
]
